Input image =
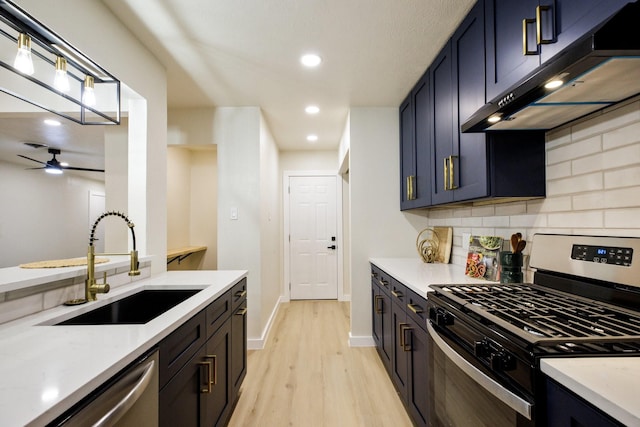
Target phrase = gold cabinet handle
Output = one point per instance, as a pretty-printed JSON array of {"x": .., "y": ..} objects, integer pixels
[
  {"x": 404, "y": 327},
  {"x": 377, "y": 299},
  {"x": 384, "y": 283},
  {"x": 241, "y": 294},
  {"x": 411, "y": 183},
  {"x": 452, "y": 185},
  {"x": 416, "y": 309},
  {"x": 446, "y": 174},
  {"x": 214, "y": 360},
  {"x": 539, "y": 38},
  {"x": 242, "y": 311},
  {"x": 401, "y": 327},
  {"x": 525, "y": 37},
  {"x": 396, "y": 294},
  {"x": 207, "y": 388}
]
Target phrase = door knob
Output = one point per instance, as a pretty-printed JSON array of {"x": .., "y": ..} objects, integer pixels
[{"x": 331, "y": 247}]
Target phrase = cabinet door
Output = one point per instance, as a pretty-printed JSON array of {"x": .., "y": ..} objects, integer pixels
[
  {"x": 575, "y": 18},
  {"x": 181, "y": 402},
  {"x": 381, "y": 321},
  {"x": 418, "y": 387},
  {"x": 400, "y": 359},
  {"x": 443, "y": 127},
  {"x": 506, "y": 64},
  {"x": 407, "y": 154},
  {"x": 469, "y": 149},
  {"x": 238, "y": 348},
  {"x": 422, "y": 133},
  {"x": 565, "y": 409},
  {"x": 218, "y": 402}
]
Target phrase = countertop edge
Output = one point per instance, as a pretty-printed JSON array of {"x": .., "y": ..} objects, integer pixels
[{"x": 568, "y": 373}]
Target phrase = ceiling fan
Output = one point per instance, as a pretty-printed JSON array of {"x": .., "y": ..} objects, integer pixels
[{"x": 54, "y": 166}]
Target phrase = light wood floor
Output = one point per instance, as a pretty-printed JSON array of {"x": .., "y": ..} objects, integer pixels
[{"x": 307, "y": 375}]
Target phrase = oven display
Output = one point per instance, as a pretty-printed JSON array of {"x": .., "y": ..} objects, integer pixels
[{"x": 602, "y": 254}]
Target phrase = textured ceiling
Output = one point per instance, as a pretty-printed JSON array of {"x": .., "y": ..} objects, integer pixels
[{"x": 246, "y": 53}]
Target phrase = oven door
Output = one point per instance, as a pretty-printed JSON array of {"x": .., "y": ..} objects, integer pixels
[{"x": 462, "y": 394}]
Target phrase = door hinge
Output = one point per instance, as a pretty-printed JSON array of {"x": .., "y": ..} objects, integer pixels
[{"x": 289, "y": 190}]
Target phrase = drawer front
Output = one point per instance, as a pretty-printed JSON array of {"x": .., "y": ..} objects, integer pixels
[
  {"x": 417, "y": 308},
  {"x": 381, "y": 278},
  {"x": 238, "y": 293},
  {"x": 180, "y": 346},
  {"x": 398, "y": 291},
  {"x": 218, "y": 312}
]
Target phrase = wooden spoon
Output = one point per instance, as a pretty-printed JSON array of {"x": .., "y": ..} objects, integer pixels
[
  {"x": 514, "y": 242},
  {"x": 520, "y": 247}
]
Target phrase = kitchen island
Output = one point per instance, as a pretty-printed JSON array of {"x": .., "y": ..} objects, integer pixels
[{"x": 46, "y": 369}]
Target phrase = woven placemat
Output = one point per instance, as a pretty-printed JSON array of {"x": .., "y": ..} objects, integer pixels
[{"x": 71, "y": 262}]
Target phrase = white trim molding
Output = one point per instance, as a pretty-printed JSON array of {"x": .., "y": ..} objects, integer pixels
[
  {"x": 361, "y": 341},
  {"x": 259, "y": 343}
]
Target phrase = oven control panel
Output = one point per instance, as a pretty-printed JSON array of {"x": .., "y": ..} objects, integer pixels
[{"x": 603, "y": 254}]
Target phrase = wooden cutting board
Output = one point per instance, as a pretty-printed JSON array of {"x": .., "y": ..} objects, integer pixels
[{"x": 445, "y": 241}]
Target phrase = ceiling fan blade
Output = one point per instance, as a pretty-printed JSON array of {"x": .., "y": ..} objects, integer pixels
[
  {"x": 33, "y": 160},
  {"x": 81, "y": 169},
  {"x": 44, "y": 167}
]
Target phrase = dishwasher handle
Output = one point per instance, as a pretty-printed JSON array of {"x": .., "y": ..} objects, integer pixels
[{"x": 137, "y": 389}]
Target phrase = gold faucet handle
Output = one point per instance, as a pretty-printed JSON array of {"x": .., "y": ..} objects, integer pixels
[{"x": 133, "y": 266}]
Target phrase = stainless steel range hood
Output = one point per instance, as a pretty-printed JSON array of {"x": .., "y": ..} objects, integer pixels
[{"x": 600, "y": 69}]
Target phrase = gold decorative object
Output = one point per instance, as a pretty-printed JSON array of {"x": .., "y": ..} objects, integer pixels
[{"x": 428, "y": 245}]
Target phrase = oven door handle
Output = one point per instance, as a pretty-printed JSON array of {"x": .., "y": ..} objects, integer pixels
[{"x": 514, "y": 401}]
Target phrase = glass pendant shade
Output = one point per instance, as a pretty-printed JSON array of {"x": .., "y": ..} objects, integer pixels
[
  {"x": 61, "y": 79},
  {"x": 88, "y": 94},
  {"x": 23, "y": 61}
]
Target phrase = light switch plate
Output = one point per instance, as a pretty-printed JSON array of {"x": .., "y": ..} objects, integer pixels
[{"x": 234, "y": 213}]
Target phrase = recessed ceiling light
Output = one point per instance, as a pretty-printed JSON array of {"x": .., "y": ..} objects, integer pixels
[
  {"x": 312, "y": 138},
  {"x": 310, "y": 60},
  {"x": 52, "y": 122},
  {"x": 312, "y": 109}
]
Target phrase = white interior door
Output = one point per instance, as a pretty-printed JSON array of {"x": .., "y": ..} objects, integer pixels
[{"x": 313, "y": 237}]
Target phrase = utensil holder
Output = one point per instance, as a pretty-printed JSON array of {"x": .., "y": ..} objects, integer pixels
[{"x": 510, "y": 267}]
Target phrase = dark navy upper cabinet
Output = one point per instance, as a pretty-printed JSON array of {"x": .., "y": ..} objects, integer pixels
[
  {"x": 443, "y": 128},
  {"x": 415, "y": 147},
  {"x": 469, "y": 161},
  {"x": 521, "y": 35},
  {"x": 407, "y": 153},
  {"x": 506, "y": 63}
]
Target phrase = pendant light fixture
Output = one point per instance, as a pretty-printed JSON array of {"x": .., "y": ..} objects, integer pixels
[
  {"x": 24, "y": 61},
  {"x": 61, "y": 79},
  {"x": 88, "y": 93},
  {"x": 66, "y": 82}
]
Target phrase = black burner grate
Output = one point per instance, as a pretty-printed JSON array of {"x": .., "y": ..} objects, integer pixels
[{"x": 544, "y": 314}]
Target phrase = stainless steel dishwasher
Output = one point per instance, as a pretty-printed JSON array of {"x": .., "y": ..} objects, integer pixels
[{"x": 128, "y": 399}]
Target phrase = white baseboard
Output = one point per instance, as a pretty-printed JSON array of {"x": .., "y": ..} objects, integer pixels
[
  {"x": 361, "y": 341},
  {"x": 345, "y": 297},
  {"x": 259, "y": 343}
]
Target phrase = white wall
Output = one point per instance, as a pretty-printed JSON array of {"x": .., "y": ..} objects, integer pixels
[
  {"x": 308, "y": 160},
  {"x": 204, "y": 207},
  {"x": 102, "y": 37},
  {"x": 43, "y": 216},
  {"x": 237, "y": 134},
  {"x": 270, "y": 225},
  {"x": 378, "y": 228}
]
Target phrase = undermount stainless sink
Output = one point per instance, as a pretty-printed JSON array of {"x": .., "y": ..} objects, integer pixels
[{"x": 138, "y": 308}]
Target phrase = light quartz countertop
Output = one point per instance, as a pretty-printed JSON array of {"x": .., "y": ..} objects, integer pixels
[
  {"x": 608, "y": 383},
  {"x": 14, "y": 278},
  {"x": 46, "y": 369},
  {"x": 418, "y": 275}
]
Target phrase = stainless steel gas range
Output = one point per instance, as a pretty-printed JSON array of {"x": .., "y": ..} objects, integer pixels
[{"x": 487, "y": 341}]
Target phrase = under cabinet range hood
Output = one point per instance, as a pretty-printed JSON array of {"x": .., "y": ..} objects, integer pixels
[{"x": 598, "y": 70}]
